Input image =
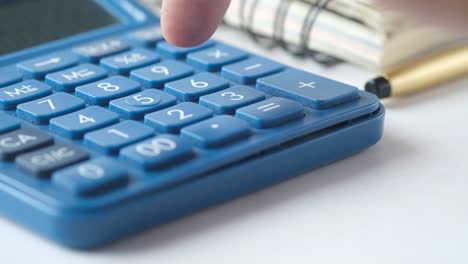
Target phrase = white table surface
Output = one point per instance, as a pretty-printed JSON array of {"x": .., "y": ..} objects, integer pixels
[{"x": 403, "y": 201}]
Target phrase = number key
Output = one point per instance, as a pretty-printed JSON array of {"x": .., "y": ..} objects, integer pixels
[
  {"x": 172, "y": 119},
  {"x": 92, "y": 177},
  {"x": 102, "y": 92},
  {"x": 137, "y": 105},
  {"x": 158, "y": 152},
  {"x": 111, "y": 139},
  {"x": 76, "y": 124},
  {"x": 155, "y": 76},
  {"x": 227, "y": 101},
  {"x": 191, "y": 88},
  {"x": 40, "y": 111}
]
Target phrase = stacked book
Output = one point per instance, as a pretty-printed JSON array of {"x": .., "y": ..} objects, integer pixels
[{"x": 356, "y": 31}]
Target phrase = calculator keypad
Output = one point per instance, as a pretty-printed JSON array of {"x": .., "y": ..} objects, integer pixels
[{"x": 119, "y": 109}]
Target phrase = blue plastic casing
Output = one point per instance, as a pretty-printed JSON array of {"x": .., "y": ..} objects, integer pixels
[{"x": 210, "y": 176}]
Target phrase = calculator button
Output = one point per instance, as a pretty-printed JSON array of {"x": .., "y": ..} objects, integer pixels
[
  {"x": 22, "y": 92},
  {"x": 155, "y": 76},
  {"x": 271, "y": 112},
  {"x": 227, "y": 101},
  {"x": 174, "y": 52},
  {"x": 137, "y": 105},
  {"x": 68, "y": 79},
  {"x": 39, "y": 67},
  {"x": 9, "y": 75},
  {"x": 309, "y": 89},
  {"x": 172, "y": 119},
  {"x": 92, "y": 177},
  {"x": 103, "y": 91},
  {"x": 92, "y": 52},
  {"x": 214, "y": 58},
  {"x": 148, "y": 36},
  {"x": 123, "y": 63},
  {"x": 8, "y": 123},
  {"x": 110, "y": 139},
  {"x": 190, "y": 89},
  {"x": 217, "y": 131},
  {"x": 40, "y": 111},
  {"x": 41, "y": 163},
  {"x": 21, "y": 141},
  {"x": 248, "y": 71},
  {"x": 76, "y": 124},
  {"x": 158, "y": 152}
]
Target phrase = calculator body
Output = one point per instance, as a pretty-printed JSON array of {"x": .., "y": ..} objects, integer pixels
[{"x": 78, "y": 214}]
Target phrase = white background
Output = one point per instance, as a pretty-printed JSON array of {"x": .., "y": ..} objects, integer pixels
[{"x": 403, "y": 201}]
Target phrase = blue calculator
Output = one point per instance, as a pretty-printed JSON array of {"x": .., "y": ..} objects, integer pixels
[{"x": 106, "y": 130}]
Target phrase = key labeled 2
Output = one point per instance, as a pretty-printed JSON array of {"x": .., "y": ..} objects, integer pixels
[{"x": 172, "y": 119}]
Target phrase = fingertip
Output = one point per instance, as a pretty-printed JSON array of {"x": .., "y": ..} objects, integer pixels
[
  {"x": 183, "y": 36},
  {"x": 187, "y": 23}
]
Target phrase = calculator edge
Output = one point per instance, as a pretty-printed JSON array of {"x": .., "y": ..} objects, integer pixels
[{"x": 95, "y": 229}]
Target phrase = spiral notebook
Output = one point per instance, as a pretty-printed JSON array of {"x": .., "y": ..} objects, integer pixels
[{"x": 329, "y": 31}]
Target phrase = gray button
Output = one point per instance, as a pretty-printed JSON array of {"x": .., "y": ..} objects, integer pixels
[
  {"x": 21, "y": 141},
  {"x": 96, "y": 50},
  {"x": 43, "y": 162}
]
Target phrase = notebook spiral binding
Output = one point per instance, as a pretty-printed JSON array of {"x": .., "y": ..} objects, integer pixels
[{"x": 246, "y": 18}]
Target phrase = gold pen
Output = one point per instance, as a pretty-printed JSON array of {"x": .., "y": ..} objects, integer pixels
[{"x": 421, "y": 74}]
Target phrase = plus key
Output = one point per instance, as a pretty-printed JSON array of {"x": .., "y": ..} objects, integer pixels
[{"x": 309, "y": 89}]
